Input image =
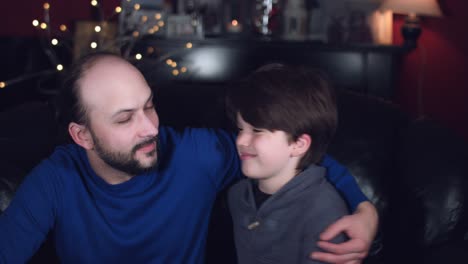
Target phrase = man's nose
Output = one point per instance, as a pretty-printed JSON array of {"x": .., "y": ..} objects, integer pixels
[{"x": 149, "y": 126}]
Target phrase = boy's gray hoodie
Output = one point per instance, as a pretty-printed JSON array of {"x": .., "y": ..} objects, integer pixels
[{"x": 286, "y": 227}]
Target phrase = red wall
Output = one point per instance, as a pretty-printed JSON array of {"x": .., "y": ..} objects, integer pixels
[
  {"x": 17, "y": 15},
  {"x": 444, "y": 75},
  {"x": 444, "y": 41}
]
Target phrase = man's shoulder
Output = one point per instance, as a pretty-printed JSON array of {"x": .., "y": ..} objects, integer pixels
[
  {"x": 64, "y": 156},
  {"x": 207, "y": 142},
  {"x": 63, "y": 153},
  {"x": 168, "y": 133}
]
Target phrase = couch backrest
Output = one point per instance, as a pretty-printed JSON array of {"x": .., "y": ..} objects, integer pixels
[{"x": 414, "y": 171}]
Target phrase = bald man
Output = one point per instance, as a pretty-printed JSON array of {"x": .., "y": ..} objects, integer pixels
[{"x": 129, "y": 191}]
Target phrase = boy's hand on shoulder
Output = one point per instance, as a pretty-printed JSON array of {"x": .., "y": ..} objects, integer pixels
[{"x": 360, "y": 227}]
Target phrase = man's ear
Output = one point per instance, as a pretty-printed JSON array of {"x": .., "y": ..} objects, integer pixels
[
  {"x": 301, "y": 145},
  {"x": 81, "y": 135}
]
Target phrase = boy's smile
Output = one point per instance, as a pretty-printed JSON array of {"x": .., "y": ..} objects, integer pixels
[{"x": 265, "y": 155}]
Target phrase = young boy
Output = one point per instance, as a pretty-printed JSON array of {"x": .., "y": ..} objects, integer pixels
[{"x": 286, "y": 118}]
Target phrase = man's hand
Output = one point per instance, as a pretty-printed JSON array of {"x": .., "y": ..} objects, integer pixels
[{"x": 360, "y": 227}]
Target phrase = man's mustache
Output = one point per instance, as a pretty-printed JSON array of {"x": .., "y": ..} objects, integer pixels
[{"x": 144, "y": 143}]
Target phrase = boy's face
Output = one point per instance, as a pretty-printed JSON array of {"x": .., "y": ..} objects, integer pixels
[{"x": 265, "y": 155}]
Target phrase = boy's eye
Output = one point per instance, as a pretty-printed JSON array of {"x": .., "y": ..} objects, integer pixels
[{"x": 257, "y": 130}]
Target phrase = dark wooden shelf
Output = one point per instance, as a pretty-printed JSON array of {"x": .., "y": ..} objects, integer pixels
[{"x": 365, "y": 68}]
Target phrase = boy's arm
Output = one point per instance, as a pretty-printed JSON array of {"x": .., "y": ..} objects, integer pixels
[{"x": 361, "y": 226}]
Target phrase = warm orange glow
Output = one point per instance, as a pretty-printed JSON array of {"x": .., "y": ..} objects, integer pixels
[{"x": 234, "y": 22}]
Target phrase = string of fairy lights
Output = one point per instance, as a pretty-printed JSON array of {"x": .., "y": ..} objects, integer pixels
[{"x": 135, "y": 23}]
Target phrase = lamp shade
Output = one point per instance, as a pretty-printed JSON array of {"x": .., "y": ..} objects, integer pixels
[{"x": 417, "y": 7}]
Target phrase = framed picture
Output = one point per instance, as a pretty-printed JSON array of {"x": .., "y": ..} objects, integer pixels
[
  {"x": 144, "y": 17},
  {"x": 184, "y": 26},
  {"x": 210, "y": 12},
  {"x": 348, "y": 21}
]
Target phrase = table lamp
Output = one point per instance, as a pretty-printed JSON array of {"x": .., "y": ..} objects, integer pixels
[{"x": 411, "y": 30}]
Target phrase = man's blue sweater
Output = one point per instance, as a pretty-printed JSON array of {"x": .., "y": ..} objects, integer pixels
[{"x": 158, "y": 217}]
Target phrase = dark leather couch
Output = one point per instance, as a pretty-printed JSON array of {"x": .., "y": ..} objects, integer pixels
[{"x": 415, "y": 171}]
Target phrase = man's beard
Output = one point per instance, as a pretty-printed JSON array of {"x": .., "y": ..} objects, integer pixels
[{"x": 126, "y": 162}]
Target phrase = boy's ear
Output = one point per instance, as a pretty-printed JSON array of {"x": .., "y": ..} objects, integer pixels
[
  {"x": 81, "y": 135},
  {"x": 301, "y": 145}
]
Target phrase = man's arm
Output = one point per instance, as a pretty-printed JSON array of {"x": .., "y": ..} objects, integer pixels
[
  {"x": 344, "y": 182},
  {"x": 25, "y": 223},
  {"x": 361, "y": 226}
]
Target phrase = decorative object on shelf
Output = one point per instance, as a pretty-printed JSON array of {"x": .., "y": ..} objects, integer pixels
[
  {"x": 366, "y": 23},
  {"x": 137, "y": 18},
  {"x": 316, "y": 25},
  {"x": 295, "y": 20},
  {"x": 266, "y": 17},
  {"x": 184, "y": 26},
  {"x": 143, "y": 18},
  {"x": 336, "y": 32},
  {"x": 411, "y": 30},
  {"x": 92, "y": 35},
  {"x": 49, "y": 44},
  {"x": 234, "y": 27},
  {"x": 358, "y": 28}
]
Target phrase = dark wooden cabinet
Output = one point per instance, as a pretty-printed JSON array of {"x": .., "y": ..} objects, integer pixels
[{"x": 368, "y": 69}]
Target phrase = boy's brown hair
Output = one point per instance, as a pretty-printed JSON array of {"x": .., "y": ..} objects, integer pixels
[{"x": 296, "y": 100}]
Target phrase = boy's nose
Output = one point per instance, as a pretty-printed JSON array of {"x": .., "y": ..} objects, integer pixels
[{"x": 243, "y": 139}]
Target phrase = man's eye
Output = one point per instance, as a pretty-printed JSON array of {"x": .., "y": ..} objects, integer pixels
[
  {"x": 149, "y": 107},
  {"x": 124, "y": 121},
  {"x": 257, "y": 130}
]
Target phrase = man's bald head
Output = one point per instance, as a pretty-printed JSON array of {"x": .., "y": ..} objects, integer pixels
[{"x": 101, "y": 67}]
